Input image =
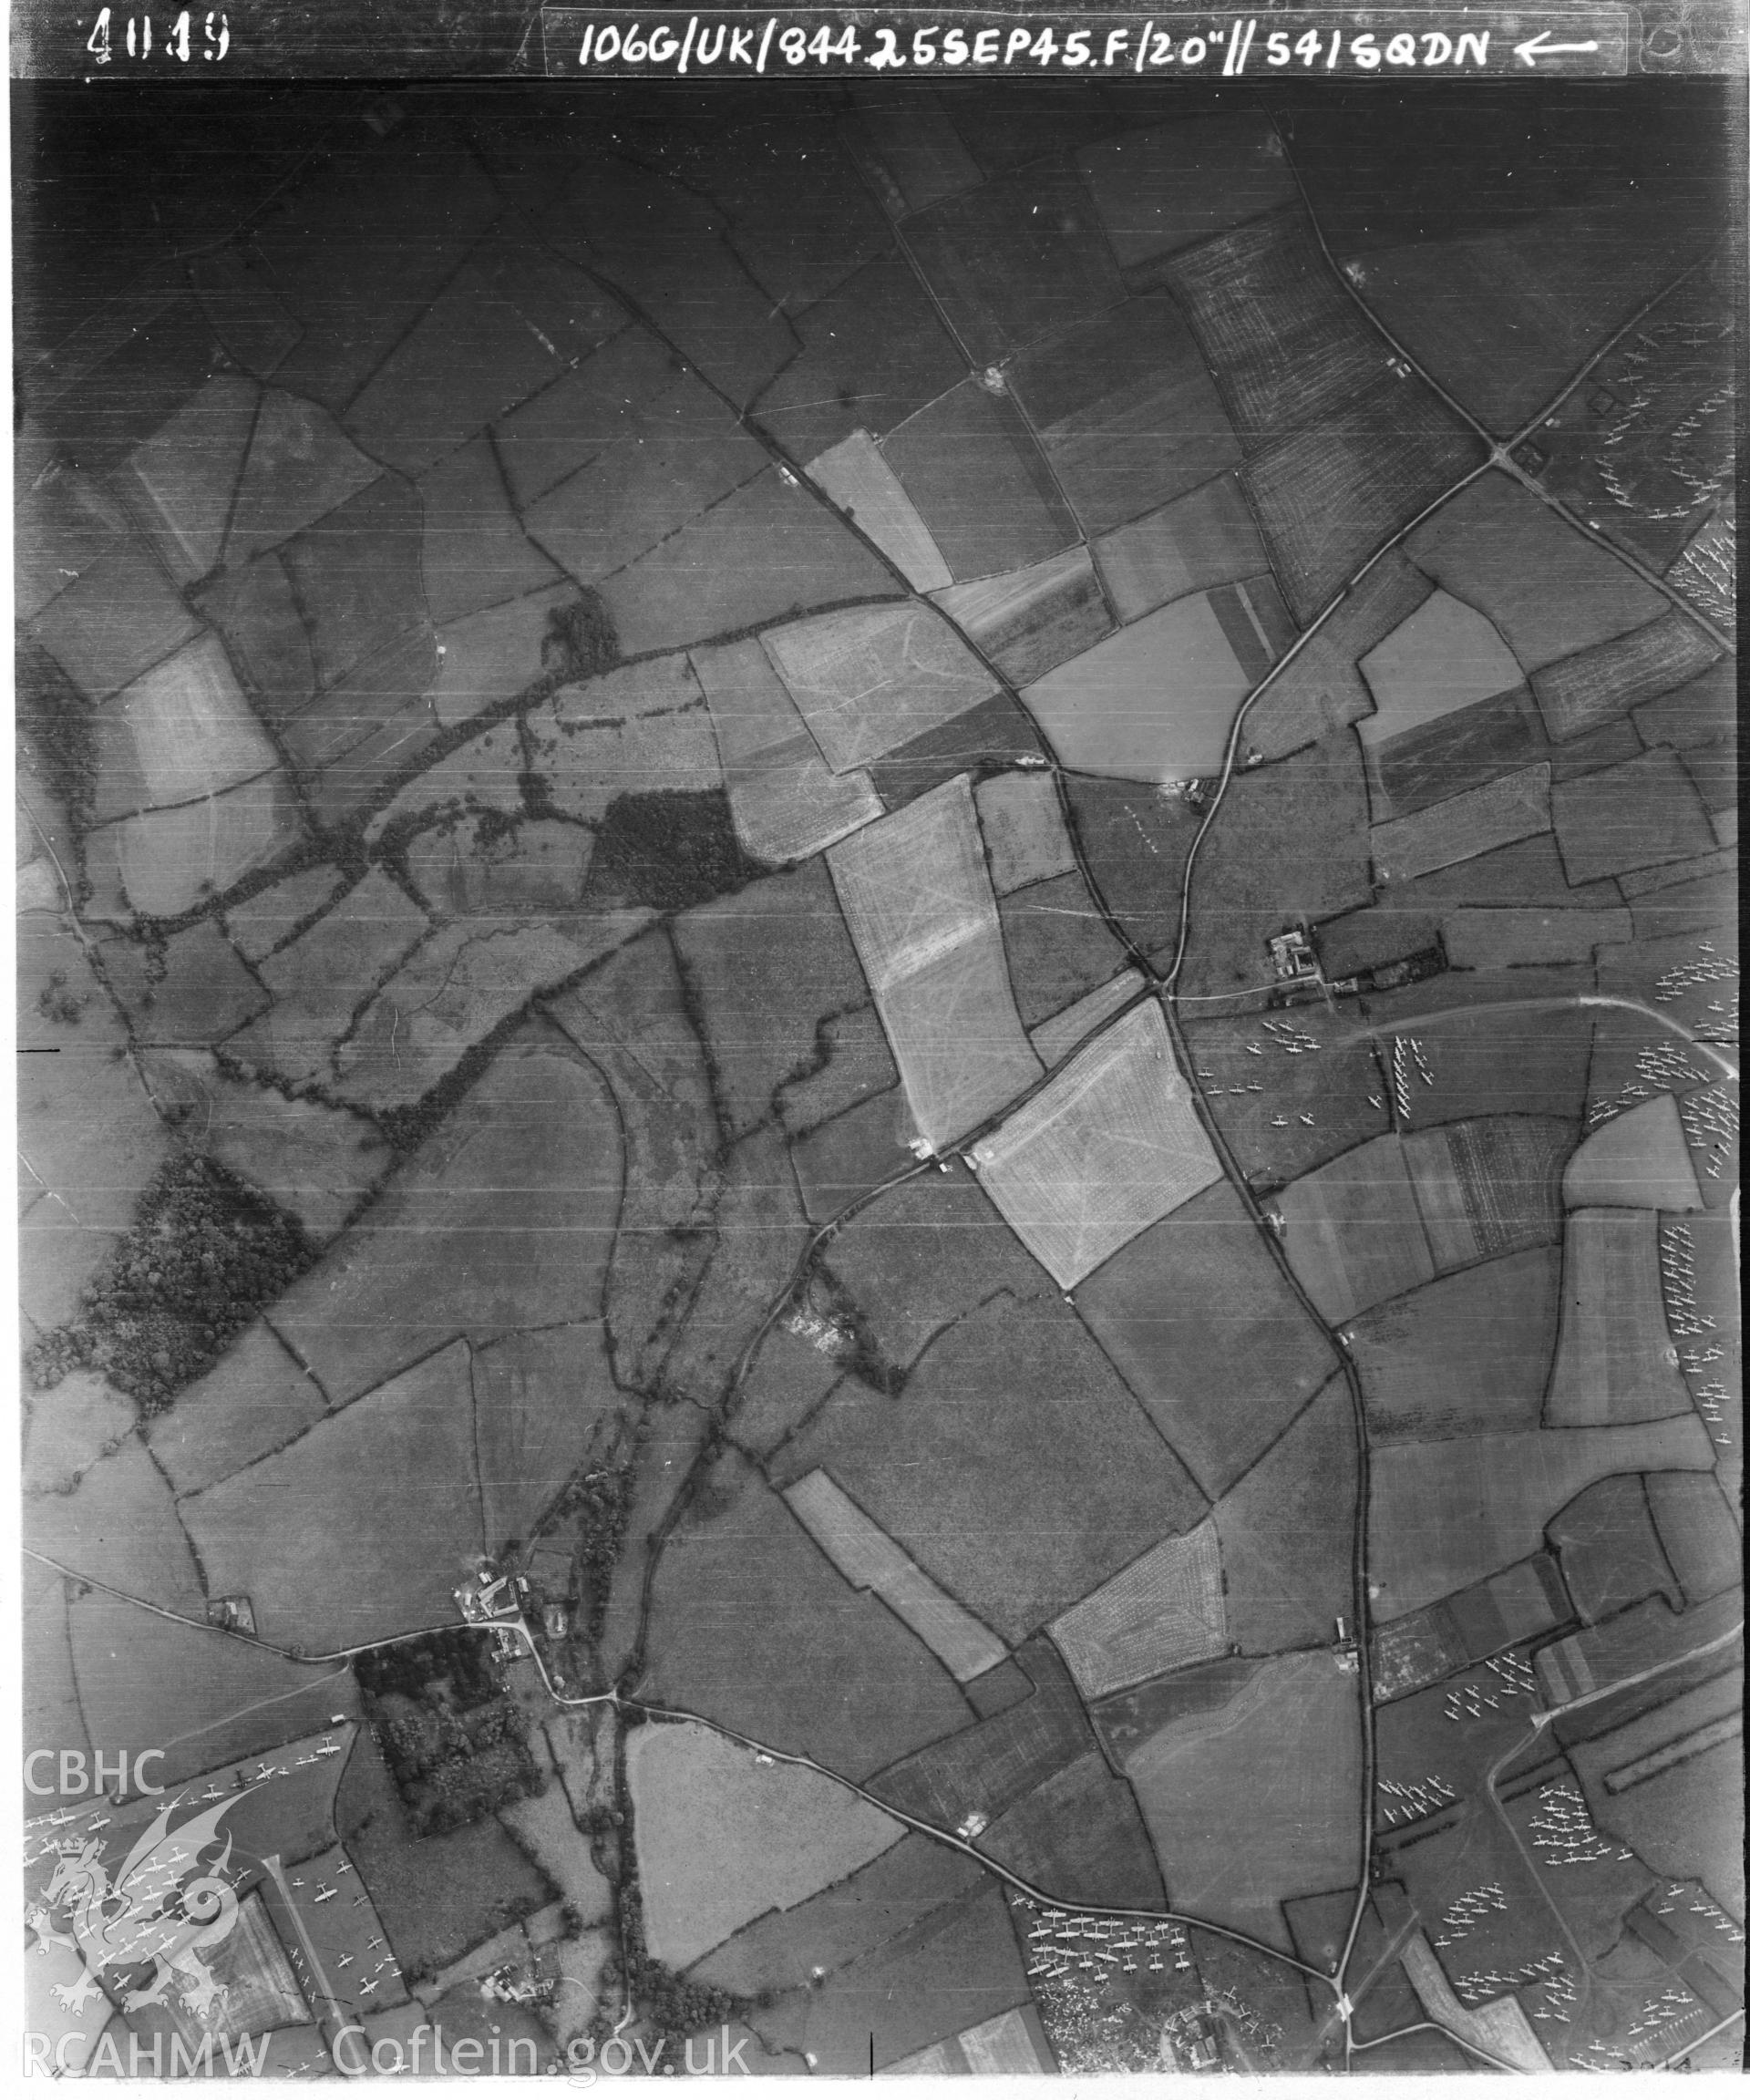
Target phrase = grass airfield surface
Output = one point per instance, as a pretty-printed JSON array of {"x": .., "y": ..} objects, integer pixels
[{"x": 639, "y": 726}]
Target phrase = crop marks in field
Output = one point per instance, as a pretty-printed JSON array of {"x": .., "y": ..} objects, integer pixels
[
  {"x": 917, "y": 898},
  {"x": 1157, "y": 1614},
  {"x": 873, "y": 678},
  {"x": 1111, "y": 1145},
  {"x": 1488, "y": 1185}
]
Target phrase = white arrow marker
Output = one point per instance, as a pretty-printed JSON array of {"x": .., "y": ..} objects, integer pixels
[{"x": 1540, "y": 46}]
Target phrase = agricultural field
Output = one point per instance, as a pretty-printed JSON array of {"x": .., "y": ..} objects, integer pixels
[
  {"x": 1615, "y": 1361},
  {"x": 1126, "y": 412},
  {"x": 870, "y": 680},
  {"x": 1275, "y": 324},
  {"x": 1584, "y": 692},
  {"x": 321, "y": 978},
  {"x": 1466, "y": 1356},
  {"x": 1164, "y": 1610},
  {"x": 862, "y": 485},
  {"x": 1065, "y": 1029},
  {"x": 844, "y": 1922},
  {"x": 720, "y": 1841},
  {"x": 690, "y": 587},
  {"x": 1200, "y": 540},
  {"x": 1287, "y": 1529},
  {"x": 785, "y": 802},
  {"x": 1489, "y": 1185},
  {"x": 869, "y": 1559},
  {"x": 539, "y": 1400},
  {"x": 1323, "y": 689},
  {"x": 933, "y": 958},
  {"x": 1110, "y": 1146},
  {"x": 969, "y": 465},
  {"x": 1153, "y": 702},
  {"x": 1548, "y": 591},
  {"x": 957, "y": 1967},
  {"x": 1006, "y": 266},
  {"x": 765, "y": 970},
  {"x": 1512, "y": 806},
  {"x": 181, "y": 732},
  {"x": 1169, "y": 187},
  {"x": 1609, "y": 1548},
  {"x": 1475, "y": 744},
  {"x": 257, "y": 1397},
  {"x": 1020, "y": 1413},
  {"x": 1058, "y": 945},
  {"x": 1353, "y": 1229},
  {"x": 1136, "y": 842},
  {"x": 990, "y": 1766},
  {"x": 1290, "y": 1742},
  {"x": 515, "y": 1196},
  {"x": 1330, "y": 493},
  {"x": 873, "y": 353},
  {"x": 1206, "y": 1333},
  {"x": 294, "y": 1532},
  {"x": 752, "y": 1626},
  {"x": 923, "y": 1255},
  {"x": 1023, "y": 827},
  {"x": 120, "y": 1527},
  {"x": 851, "y": 1155},
  {"x": 1446, "y": 657},
  {"x": 1640, "y": 814},
  {"x": 1032, "y": 618},
  {"x": 1445, "y": 1514}
]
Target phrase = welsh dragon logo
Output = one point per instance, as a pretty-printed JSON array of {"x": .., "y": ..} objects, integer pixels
[{"x": 162, "y": 1908}]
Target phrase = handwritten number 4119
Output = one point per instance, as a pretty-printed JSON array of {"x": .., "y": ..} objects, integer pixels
[{"x": 179, "y": 43}]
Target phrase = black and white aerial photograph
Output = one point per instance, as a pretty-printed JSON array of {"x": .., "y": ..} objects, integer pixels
[{"x": 877, "y": 1076}]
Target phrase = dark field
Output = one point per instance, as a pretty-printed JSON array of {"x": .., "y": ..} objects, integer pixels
[
  {"x": 1610, "y": 1552},
  {"x": 1136, "y": 845},
  {"x": 1206, "y": 1333},
  {"x": 1058, "y": 946},
  {"x": 1042, "y": 1480},
  {"x": 1287, "y": 1533},
  {"x": 753, "y": 1627},
  {"x": 1467, "y": 1353}
]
